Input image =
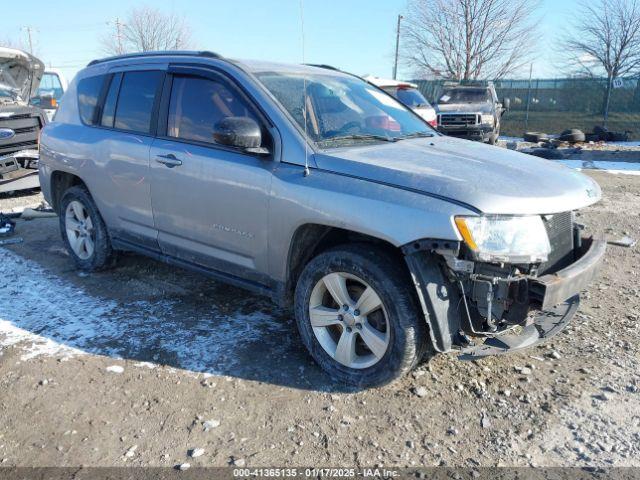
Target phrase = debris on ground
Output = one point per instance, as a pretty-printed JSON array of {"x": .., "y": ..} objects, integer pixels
[
  {"x": 623, "y": 242},
  {"x": 11, "y": 241},
  {"x": 31, "y": 214},
  {"x": 183, "y": 466},
  {"x": 130, "y": 453},
  {"x": 196, "y": 452},
  {"x": 210, "y": 424},
  {"x": 420, "y": 391},
  {"x": 115, "y": 369},
  {"x": 7, "y": 226}
]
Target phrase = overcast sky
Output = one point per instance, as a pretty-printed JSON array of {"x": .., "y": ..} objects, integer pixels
[{"x": 355, "y": 35}]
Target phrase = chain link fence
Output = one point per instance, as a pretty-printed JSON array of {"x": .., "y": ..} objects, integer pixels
[{"x": 554, "y": 105}]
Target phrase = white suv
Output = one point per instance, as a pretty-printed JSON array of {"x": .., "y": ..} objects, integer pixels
[{"x": 409, "y": 95}]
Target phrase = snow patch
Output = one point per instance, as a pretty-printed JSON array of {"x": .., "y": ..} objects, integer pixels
[{"x": 48, "y": 315}]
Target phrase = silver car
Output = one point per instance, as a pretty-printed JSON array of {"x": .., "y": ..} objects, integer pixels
[{"x": 389, "y": 241}]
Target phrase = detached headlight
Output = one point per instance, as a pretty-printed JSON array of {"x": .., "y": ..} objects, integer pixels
[
  {"x": 487, "y": 118},
  {"x": 502, "y": 238}
]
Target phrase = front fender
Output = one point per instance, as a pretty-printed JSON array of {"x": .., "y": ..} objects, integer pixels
[{"x": 388, "y": 213}]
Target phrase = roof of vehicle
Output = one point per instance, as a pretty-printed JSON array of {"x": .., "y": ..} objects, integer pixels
[
  {"x": 253, "y": 66},
  {"x": 386, "y": 82}
]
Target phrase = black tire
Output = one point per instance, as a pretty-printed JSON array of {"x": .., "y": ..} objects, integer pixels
[
  {"x": 103, "y": 255},
  {"x": 408, "y": 339},
  {"x": 535, "y": 137},
  {"x": 572, "y": 136}
]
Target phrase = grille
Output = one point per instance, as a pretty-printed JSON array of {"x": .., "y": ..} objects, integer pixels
[
  {"x": 458, "y": 119},
  {"x": 560, "y": 231},
  {"x": 26, "y": 128}
]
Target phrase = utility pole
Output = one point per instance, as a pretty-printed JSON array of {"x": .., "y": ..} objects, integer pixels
[
  {"x": 119, "y": 35},
  {"x": 29, "y": 31},
  {"x": 395, "y": 63},
  {"x": 526, "y": 118}
]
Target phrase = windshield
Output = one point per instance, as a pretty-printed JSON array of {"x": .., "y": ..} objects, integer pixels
[
  {"x": 465, "y": 95},
  {"x": 411, "y": 97},
  {"x": 342, "y": 110}
]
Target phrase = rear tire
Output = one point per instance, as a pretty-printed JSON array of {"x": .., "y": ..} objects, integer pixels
[
  {"x": 388, "y": 341},
  {"x": 83, "y": 231}
]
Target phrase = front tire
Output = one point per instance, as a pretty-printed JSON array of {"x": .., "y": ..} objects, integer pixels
[
  {"x": 358, "y": 316},
  {"x": 83, "y": 231}
]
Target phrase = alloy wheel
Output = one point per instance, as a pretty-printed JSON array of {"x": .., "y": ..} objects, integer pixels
[
  {"x": 349, "y": 320},
  {"x": 80, "y": 231}
]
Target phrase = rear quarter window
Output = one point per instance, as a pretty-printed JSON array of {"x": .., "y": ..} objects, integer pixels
[{"x": 88, "y": 94}]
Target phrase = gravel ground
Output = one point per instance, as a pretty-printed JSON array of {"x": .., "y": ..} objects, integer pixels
[{"x": 144, "y": 363}]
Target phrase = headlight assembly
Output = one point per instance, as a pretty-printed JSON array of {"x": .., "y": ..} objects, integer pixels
[
  {"x": 505, "y": 238},
  {"x": 487, "y": 118}
]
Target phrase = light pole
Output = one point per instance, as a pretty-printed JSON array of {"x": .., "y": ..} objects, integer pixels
[{"x": 395, "y": 63}]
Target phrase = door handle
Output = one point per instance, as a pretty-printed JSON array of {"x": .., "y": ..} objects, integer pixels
[{"x": 169, "y": 160}]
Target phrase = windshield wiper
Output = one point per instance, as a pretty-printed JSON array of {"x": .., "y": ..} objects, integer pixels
[
  {"x": 415, "y": 135},
  {"x": 361, "y": 136}
]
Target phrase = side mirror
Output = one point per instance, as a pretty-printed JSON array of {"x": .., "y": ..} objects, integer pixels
[
  {"x": 506, "y": 104},
  {"x": 240, "y": 132}
]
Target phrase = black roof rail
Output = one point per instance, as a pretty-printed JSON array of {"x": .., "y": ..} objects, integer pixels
[{"x": 186, "y": 53}]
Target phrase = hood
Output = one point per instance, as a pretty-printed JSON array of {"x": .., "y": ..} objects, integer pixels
[
  {"x": 465, "y": 107},
  {"x": 20, "y": 74},
  {"x": 489, "y": 179}
]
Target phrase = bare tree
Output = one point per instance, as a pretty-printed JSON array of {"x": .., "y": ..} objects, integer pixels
[
  {"x": 147, "y": 29},
  {"x": 605, "y": 39},
  {"x": 469, "y": 39},
  {"x": 11, "y": 43}
]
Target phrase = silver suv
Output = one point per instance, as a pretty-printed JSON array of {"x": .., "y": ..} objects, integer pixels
[{"x": 309, "y": 185}]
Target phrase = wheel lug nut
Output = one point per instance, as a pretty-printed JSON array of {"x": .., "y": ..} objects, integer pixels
[
  {"x": 359, "y": 326},
  {"x": 349, "y": 329},
  {"x": 345, "y": 307},
  {"x": 356, "y": 313},
  {"x": 340, "y": 317}
]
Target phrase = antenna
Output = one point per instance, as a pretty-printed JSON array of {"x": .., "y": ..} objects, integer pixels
[{"x": 304, "y": 96}]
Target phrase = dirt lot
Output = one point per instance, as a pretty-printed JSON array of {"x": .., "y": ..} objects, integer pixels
[{"x": 190, "y": 350}]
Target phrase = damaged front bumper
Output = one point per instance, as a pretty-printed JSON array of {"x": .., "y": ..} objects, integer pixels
[
  {"x": 19, "y": 171},
  {"x": 546, "y": 303}
]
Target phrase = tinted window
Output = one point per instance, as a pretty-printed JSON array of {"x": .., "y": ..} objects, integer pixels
[
  {"x": 109, "y": 108},
  {"x": 135, "y": 103},
  {"x": 88, "y": 94},
  {"x": 197, "y": 104}
]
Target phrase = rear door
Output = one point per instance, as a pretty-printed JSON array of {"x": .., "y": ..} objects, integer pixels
[
  {"x": 210, "y": 201},
  {"x": 126, "y": 124}
]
